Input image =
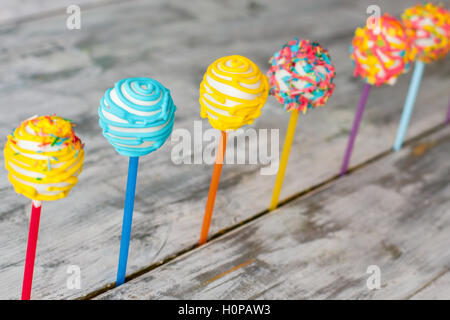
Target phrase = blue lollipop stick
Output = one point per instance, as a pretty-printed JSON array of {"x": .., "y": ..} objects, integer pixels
[
  {"x": 409, "y": 104},
  {"x": 127, "y": 220},
  {"x": 136, "y": 117}
]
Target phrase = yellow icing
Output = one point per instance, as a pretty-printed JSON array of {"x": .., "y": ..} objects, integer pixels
[
  {"x": 238, "y": 100},
  {"x": 43, "y": 157}
]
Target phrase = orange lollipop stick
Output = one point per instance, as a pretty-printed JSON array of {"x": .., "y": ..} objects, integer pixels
[{"x": 213, "y": 187}]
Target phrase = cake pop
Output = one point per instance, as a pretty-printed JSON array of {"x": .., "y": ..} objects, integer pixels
[
  {"x": 380, "y": 54},
  {"x": 301, "y": 77},
  {"x": 232, "y": 93},
  {"x": 43, "y": 157},
  {"x": 137, "y": 117},
  {"x": 428, "y": 26}
]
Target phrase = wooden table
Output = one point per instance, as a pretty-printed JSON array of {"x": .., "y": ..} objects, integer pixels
[{"x": 390, "y": 211}]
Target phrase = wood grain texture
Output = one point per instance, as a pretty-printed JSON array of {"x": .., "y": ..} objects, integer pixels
[
  {"x": 13, "y": 11},
  {"x": 436, "y": 289},
  {"x": 48, "y": 69},
  {"x": 393, "y": 214}
]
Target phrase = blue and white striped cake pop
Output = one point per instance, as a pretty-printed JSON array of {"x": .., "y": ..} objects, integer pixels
[{"x": 137, "y": 116}]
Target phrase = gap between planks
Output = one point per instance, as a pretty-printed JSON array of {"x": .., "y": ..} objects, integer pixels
[
  {"x": 426, "y": 285},
  {"x": 282, "y": 203}
]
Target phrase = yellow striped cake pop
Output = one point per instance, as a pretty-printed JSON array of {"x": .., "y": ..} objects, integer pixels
[
  {"x": 232, "y": 92},
  {"x": 43, "y": 157}
]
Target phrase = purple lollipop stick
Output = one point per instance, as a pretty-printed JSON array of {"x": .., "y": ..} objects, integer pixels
[{"x": 351, "y": 140}]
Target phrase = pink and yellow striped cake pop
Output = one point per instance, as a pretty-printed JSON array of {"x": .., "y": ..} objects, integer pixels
[
  {"x": 381, "y": 52},
  {"x": 429, "y": 28}
]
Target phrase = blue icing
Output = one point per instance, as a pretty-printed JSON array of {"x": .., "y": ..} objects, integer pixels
[
  {"x": 307, "y": 68},
  {"x": 318, "y": 93},
  {"x": 135, "y": 93}
]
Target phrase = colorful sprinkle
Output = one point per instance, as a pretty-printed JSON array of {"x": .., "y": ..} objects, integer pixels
[
  {"x": 54, "y": 141},
  {"x": 301, "y": 76},
  {"x": 381, "y": 51},
  {"x": 429, "y": 28},
  {"x": 52, "y": 138}
]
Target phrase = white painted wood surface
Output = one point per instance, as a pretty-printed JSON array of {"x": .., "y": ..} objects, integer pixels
[
  {"x": 436, "y": 289},
  {"x": 394, "y": 214},
  {"x": 14, "y": 11},
  {"x": 48, "y": 69}
]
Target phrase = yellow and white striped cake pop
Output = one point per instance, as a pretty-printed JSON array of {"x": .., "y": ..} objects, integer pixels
[
  {"x": 44, "y": 157},
  {"x": 232, "y": 92}
]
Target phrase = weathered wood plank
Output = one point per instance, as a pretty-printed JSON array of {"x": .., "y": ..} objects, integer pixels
[
  {"x": 46, "y": 68},
  {"x": 394, "y": 214},
  {"x": 437, "y": 289},
  {"x": 25, "y": 10}
]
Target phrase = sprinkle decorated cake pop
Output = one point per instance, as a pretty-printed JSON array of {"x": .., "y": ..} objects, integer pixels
[
  {"x": 43, "y": 157},
  {"x": 429, "y": 28},
  {"x": 301, "y": 77},
  {"x": 137, "y": 117},
  {"x": 232, "y": 93},
  {"x": 381, "y": 54}
]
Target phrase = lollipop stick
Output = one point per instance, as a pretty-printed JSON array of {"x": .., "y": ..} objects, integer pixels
[
  {"x": 354, "y": 132},
  {"x": 127, "y": 220},
  {"x": 284, "y": 158},
  {"x": 409, "y": 104},
  {"x": 31, "y": 249},
  {"x": 447, "y": 120},
  {"x": 213, "y": 188}
]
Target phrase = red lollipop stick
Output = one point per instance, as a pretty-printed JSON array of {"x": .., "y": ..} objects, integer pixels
[{"x": 31, "y": 249}]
